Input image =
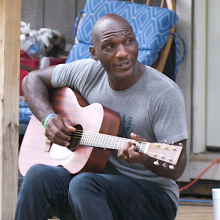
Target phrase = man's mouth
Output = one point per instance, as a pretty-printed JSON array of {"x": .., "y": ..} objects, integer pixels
[{"x": 124, "y": 64}]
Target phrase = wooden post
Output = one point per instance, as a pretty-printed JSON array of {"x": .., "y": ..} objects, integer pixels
[{"x": 10, "y": 11}]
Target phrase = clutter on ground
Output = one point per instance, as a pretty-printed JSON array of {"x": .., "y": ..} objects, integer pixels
[{"x": 41, "y": 43}]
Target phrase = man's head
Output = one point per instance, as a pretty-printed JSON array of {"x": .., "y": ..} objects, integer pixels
[
  {"x": 115, "y": 46},
  {"x": 104, "y": 22}
]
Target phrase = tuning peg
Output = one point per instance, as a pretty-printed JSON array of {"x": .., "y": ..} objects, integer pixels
[
  {"x": 164, "y": 164},
  {"x": 161, "y": 156},
  {"x": 171, "y": 167},
  {"x": 173, "y": 148},
  {"x": 173, "y": 143},
  {"x": 180, "y": 144},
  {"x": 156, "y": 163},
  {"x": 157, "y": 145},
  {"x": 165, "y": 141}
]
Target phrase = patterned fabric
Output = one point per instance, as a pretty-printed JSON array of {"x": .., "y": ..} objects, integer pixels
[
  {"x": 151, "y": 26},
  {"x": 78, "y": 52},
  {"x": 24, "y": 113}
]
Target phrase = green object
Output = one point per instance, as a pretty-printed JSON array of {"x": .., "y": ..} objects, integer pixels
[{"x": 47, "y": 118}]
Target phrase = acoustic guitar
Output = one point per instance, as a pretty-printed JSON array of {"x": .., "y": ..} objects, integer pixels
[{"x": 91, "y": 144}]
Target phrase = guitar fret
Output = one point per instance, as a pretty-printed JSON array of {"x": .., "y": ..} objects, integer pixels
[
  {"x": 110, "y": 143},
  {"x": 141, "y": 147},
  {"x": 119, "y": 143}
]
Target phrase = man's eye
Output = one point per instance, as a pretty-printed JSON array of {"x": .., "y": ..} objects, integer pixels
[
  {"x": 128, "y": 41},
  {"x": 108, "y": 46}
]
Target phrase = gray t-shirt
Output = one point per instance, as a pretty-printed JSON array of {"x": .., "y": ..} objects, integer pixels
[{"x": 153, "y": 108}]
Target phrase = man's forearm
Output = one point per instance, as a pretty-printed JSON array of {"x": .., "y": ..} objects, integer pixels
[{"x": 37, "y": 96}]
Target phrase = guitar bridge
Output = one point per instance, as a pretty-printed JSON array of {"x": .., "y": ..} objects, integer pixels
[{"x": 48, "y": 145}]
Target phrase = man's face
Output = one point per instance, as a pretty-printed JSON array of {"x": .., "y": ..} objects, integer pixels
[{"x": 117, "y": 49}]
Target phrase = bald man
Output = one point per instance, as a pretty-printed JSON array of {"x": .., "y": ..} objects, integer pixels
[{"x": 151, "y": 107}]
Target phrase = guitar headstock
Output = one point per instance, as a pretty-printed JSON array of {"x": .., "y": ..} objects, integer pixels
[{"x": 161, "y": 152}]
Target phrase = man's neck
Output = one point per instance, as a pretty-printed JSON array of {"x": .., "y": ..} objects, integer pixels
[{"x": 122, "y": 84}]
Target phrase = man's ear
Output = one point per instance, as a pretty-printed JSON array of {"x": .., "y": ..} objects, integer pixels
[{"x": 93, "y": 53}]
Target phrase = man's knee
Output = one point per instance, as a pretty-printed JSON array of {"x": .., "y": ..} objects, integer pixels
[
  {"x": 38, "y": 171},
  {"x": 39, "y": 174},
  {"x": 82, "y": 183}
]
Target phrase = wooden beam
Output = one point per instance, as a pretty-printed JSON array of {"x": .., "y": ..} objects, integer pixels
[
  {"x": 199, "y": 75},
  {"x": 10, "y": 12}
]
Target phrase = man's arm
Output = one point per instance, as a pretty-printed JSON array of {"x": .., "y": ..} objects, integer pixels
[
  {"x": 128, "y": 154},
  {"x": 36, "y": 86}
]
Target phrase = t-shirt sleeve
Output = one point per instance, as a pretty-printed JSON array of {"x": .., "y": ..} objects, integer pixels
[
  {"x": 76, "y": 75},
  {"x": 169, "y": 117}
]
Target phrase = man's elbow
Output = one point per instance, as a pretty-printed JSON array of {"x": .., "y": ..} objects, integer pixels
[{"x": 178, "y": 171}]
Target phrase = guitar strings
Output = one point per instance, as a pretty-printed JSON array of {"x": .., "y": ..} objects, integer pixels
[{"x": 78, "y": 135}]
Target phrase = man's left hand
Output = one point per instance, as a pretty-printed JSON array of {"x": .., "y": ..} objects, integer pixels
[{"x": 128, "y": 153}]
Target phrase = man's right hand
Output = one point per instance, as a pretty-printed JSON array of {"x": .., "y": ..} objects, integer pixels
[{"x": 59, "y": 130}]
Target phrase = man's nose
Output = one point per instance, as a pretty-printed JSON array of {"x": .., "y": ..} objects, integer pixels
[{"x": 121, "y": 51}]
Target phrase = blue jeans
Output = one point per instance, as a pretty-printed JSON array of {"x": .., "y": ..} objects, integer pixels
[{"x": 90, "y": 196}]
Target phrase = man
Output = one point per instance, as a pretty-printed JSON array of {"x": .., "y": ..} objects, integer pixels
[{"x": 151, "y": 108}]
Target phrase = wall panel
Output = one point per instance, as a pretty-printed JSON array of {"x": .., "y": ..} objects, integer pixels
[
  {"x": 32, "y": 12},
  {"x": 60, "y": 15}
]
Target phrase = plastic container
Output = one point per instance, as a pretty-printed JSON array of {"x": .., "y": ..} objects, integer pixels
[
  {"x": 216, "y": 203},
  {"x": 31, "y": 47}
]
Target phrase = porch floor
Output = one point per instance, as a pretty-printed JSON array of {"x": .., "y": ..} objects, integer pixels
[{"x": 197, "y": 211}]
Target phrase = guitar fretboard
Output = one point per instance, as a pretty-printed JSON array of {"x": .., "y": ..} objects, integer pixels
[{"x": 103, "y": 141}]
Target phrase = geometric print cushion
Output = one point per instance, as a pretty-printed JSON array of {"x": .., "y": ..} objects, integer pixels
[
  {"x": 151, "y": 25},
  {"x": 78, "y": 52},
  {"x": 147, "y": 57}
]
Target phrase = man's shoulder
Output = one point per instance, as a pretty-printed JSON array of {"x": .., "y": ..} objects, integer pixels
[
  {"x": 79, "y": 66},
  {"x": 85, "y": 62},
  {"x": 159, "y": 79}
]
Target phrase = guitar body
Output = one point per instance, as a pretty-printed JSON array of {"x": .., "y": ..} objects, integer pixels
[{"x": 71, "y": 105}]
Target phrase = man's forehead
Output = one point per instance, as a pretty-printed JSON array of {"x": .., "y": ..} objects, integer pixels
[
  {"x": 115, "y": 33},
  {"x": 114, "y": 24},
  {"x": 111, "y": 26}
]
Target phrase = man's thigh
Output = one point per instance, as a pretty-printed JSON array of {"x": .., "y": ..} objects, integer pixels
[{"x": 129, "y": 198}]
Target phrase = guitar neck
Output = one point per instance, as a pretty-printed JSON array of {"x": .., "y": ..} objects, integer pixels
[
  {"x": 103, "y": 140},
  {"x": 158, "y": 151}
]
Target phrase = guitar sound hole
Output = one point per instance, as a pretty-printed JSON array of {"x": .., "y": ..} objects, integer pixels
[{"x": 75, "y": 138}]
